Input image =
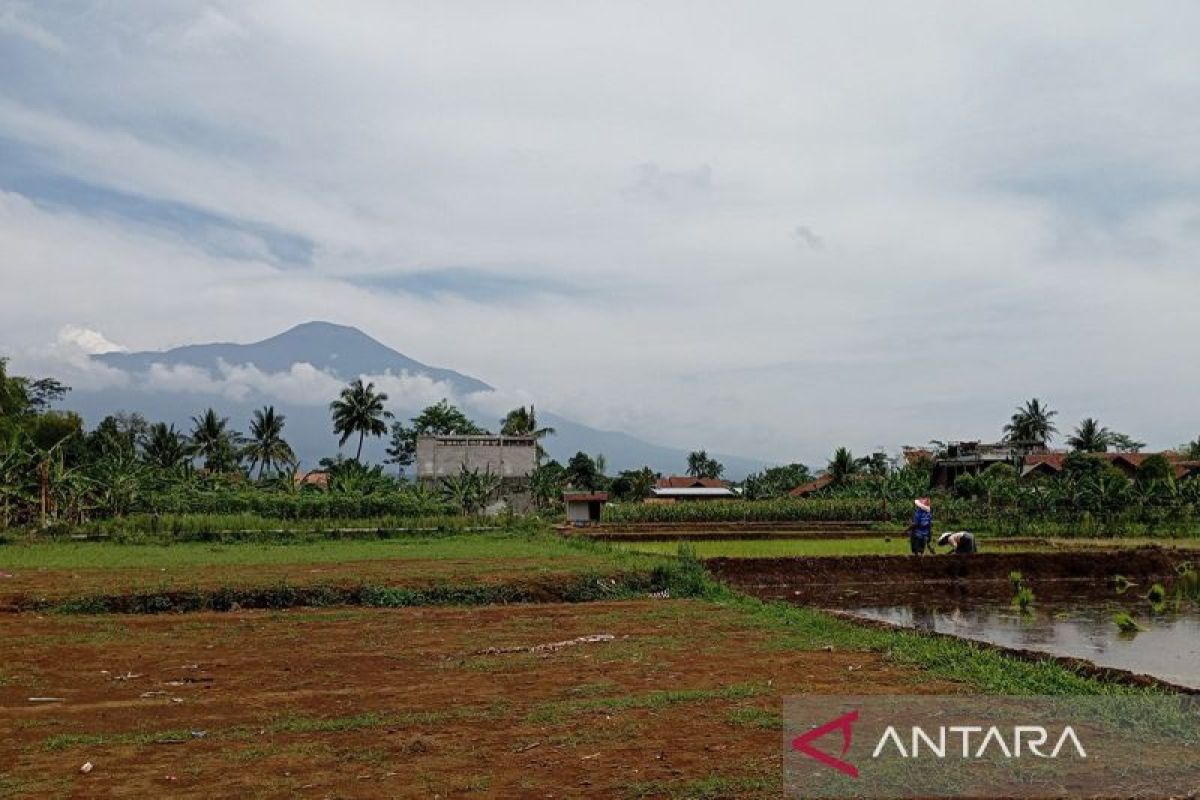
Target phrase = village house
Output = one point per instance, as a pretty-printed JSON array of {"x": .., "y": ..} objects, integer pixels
[{"x": 671, "y": 488}]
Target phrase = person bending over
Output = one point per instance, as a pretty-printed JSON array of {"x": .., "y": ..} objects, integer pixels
[{"x": 959, "y": 542}]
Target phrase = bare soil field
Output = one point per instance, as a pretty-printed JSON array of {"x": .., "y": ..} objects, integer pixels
[{"x": 425, "y": 702}]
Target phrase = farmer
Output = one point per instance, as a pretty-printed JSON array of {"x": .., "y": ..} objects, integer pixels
[
  {"x": 959, "y": 542},
  {"x": 922, "y": 526}
]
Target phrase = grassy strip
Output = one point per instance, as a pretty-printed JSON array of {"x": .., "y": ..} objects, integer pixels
[
  {"x": 499, "y": 545},
  {"x": 583, "y": 587}
]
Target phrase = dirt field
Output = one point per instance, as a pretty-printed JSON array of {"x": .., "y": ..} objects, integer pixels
[{"x": 409, "y": 703}]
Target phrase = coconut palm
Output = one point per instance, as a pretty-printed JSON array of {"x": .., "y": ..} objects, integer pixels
[
  {"x": 1090, "y": 437},
  {"x": 1031, "y": 424},
  {"x": 359, "y": 409},
  {"x": 211, "y": 441},
  {"x": 165, "y": 447},
  {"x": 701, "y": 465},
  {"x": 523, "y": 422},
  {"x": 267, "y": 448},
  {"x": 843, "y": 465}
]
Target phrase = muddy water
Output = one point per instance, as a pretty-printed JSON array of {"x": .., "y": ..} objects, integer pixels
[{"x": 1169, "y": 649}]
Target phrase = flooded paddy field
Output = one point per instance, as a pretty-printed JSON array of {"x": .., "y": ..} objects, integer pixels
[{"x": 1076, "y": 597}]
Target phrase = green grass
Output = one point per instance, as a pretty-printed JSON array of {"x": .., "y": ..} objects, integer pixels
[{"x": 467, "y": 546}]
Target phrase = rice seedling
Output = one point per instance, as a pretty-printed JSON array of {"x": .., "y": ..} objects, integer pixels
[
  {"x": 1016, "y": 579},
  {"x": 1023, "y": 599},
  {"x": 1126, "y": 623},
  {"x": 1121, "y": 583},
  {"x": 1157, "y": 593}
]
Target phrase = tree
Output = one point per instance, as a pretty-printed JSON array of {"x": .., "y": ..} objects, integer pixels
[
  {"x": 1090, "y": 437},
  {"x": 440, "y": 419},
  {"x": 1191, "y": 450},
  {"x": 402, "y": 447},
  {"x": 1123, "y": 443},
  {"x": 843, "y": 466},
  {"x": 165, "y": 447},
  {"x": 359, "y": 410},
  {"x": 775, "y": 481},
  {"x": 1031, "y": 425},
  {"x": 211, "y": 441},
  {"x": 701, "y": 465},
  {"x": 470, "y": 490},
  {"x": 633, "y": 484},
  {"x": 443, "y": 419},
  {"x": 523, "y": 422},
  {"x": 547, "y": 482},
  {"x": 267, "y": 448},
  {"x": 582, "y": 473},
  {"x": 124, "y": 432},
  {"x": 1155, "y": 468}
]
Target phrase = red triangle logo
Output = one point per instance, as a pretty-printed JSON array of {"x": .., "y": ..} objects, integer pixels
[{"x": 844, "y": 723}]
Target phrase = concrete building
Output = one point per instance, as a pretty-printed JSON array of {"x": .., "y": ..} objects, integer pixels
[
  {"x": 511, "y": 457},
  {"x": 584, "y": 508}
]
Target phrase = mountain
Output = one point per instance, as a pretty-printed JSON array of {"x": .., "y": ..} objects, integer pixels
[{"x": 300, "y": 371}]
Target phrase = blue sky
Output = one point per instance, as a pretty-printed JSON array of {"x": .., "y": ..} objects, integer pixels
[{"x": 767, "y": 228}]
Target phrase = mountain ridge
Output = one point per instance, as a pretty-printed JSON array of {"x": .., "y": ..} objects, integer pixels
[{"x": 342, "y": 352}]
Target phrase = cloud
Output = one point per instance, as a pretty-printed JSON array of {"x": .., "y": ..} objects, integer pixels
[
  {"x": 87, "y": 341},
  {"x": 998, "y": 197},
  {"x": 14, "y": 21},
  {"x": 806, "y": 236}
]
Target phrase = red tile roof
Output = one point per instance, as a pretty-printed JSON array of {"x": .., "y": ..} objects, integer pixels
[
  {"x": 688, "y": 482},
  {"x": 812, "y": 486}
]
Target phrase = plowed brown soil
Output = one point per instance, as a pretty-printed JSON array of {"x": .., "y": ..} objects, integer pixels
[{"x": 405, "y": 703}]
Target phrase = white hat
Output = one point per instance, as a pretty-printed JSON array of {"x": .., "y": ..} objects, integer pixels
[
  {"x": 922, "y": 503},
  {"x": 945, "y": 537}
]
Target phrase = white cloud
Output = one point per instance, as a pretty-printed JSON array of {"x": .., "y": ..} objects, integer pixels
[
  {"x": 998, "y": 212},
  {"x": 87, "y": 340}
]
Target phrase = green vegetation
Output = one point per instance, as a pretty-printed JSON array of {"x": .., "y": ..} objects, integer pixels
[
  {"x": 1016, "y": 579},
  {"x": 1023, "y": 599},
  {"x": 1157, "y": 593},
  {"x": 1126, "y": 624},
  {"x": 498, "y": 546}
]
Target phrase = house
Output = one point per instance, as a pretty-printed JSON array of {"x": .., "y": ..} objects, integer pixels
[
  {"x": 972, "y": 458},
  {"x": 318, "y": 478},
  {"x": 1043, "y": 464},
  {"x": 684, "y": 487},
  {"x": 584, "y": 508},
  {"x": 812, "y": 487}
]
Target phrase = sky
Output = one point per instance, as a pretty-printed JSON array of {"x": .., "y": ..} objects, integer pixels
[{"x": 765, "y": 228}]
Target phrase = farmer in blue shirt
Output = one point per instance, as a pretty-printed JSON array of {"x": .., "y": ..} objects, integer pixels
[{"x": 921, "y": 529}]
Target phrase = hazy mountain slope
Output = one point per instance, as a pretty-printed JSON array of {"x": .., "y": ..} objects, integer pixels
[{"x": 201, "y": 380}]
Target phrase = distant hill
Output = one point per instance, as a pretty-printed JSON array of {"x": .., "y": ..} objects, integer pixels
[{"x": 176, "y": 384}]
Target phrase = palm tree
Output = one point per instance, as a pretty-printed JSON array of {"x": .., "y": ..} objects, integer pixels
[
  {"x": 267, "y": 448},
  {"x": 212, "y": 442},
  {"x": 843, "y": 465},
  {"x": 1090, "y": 437},
  {"x": 359, "y": 410},
  {"x": 165, "y": 447},
  {"x": 701, "y": 465},
  {"x": 523, "y": 422},
  {"x": 1031, "y": 424}
]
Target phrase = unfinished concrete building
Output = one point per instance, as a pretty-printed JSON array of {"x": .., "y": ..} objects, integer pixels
[{"x": 512, "y": 458}]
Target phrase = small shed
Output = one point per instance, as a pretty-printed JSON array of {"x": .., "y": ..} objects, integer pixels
[{"x": 584, "y": 508}]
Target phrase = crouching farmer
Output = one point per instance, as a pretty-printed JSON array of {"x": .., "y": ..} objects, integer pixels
[
  {"x": 959, "y": 542},
  {"x": 922, "y": 526}
]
